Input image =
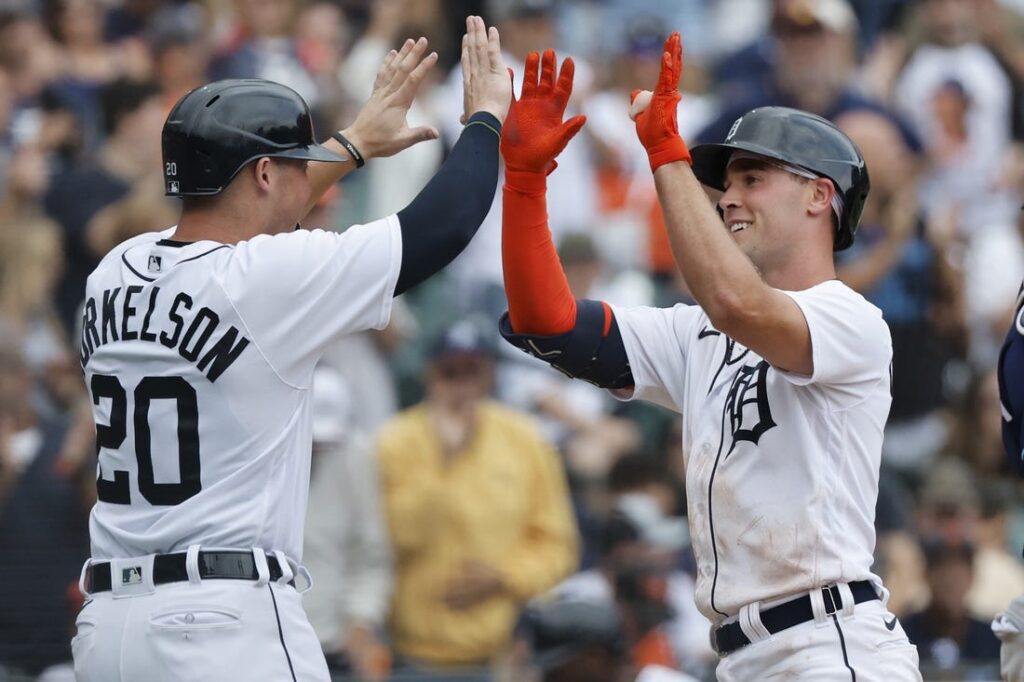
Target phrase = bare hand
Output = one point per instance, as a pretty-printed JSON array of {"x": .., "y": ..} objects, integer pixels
[
  {"x": 486, "y": 85},
  {"x": 477, "y": 583},
  {"x": 380, "y": 129},
  {"x": 369, "y": 657}
]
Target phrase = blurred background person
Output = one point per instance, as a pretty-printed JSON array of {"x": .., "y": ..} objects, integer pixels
[
  {"x": 347, "y": 550},
  {"x": 643, "y": 553},
  {"x": 577, "y": 640},
  {"x": 945, "y": 633},
  {"x": 133, "y": 117},
  {"x": 898, "y": 263},
  {"x": 478, "y": 511},
  {"x": 43, "y": 524}
]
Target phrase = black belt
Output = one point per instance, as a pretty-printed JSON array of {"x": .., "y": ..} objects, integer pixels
[
  {"x": 170, "y": 568},
  {"x": 729, "y": 638}
]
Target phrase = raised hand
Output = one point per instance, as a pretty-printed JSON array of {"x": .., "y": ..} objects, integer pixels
[
  {"x": 655, "y": 112},
  {"x": 380, "y": 129},
  {"x": 485, "y": 83},
  {"x": 534, "y": 133}
]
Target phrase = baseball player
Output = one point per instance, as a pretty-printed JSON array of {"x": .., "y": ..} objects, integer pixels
[
  {"x": 199, "y": 344},
  {"x": 1009, "y": 625},
  {"x": 781, "y": 372}
]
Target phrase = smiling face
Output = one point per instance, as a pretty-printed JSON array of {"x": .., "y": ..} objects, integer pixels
[{"x": 767, "y": 210}]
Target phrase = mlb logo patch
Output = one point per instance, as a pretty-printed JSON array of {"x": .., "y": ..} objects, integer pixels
[
  {"x": 172, "y": 187},
  {"x": 155, "y": 262},
  {"x": 131, "y": 575}
]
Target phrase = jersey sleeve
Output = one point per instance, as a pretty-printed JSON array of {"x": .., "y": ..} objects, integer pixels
[
  {"x": 850, "y": 342},
  {"x": 657, "y": 342},
  {"x": 299, "y": 291}
]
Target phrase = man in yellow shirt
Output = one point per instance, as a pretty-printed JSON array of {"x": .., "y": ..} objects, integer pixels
[{"x": 478, "y": 511}]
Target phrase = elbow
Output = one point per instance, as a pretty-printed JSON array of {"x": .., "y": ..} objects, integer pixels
[{"x": 727, "y": 310}]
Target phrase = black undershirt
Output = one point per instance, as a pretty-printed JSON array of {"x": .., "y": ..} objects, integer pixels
[{"x": 439, "y": 223}]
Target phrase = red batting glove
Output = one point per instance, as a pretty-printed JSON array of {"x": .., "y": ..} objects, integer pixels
[
  {"x": 533, "y": 133},
  {"x": 656, "y": 125}
]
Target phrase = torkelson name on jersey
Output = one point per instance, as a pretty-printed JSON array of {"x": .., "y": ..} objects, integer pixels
[{"x": 190, "y": 337}]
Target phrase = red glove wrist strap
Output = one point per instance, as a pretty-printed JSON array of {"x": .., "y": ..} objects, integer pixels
[
  {"x": 667, "y": 151},
  {"x": 526, "y": 182}
]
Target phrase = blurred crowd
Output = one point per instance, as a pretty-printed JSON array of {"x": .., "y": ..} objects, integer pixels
[{"x": 473, "y": 514}]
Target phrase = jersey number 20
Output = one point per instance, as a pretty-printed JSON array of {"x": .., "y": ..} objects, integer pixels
[{"x": 113, "y": 434}]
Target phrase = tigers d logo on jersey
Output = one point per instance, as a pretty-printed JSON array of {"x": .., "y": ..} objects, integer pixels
[{"x": 746, "y": 404}]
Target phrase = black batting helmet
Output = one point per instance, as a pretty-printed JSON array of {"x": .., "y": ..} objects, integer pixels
[
  {"x": 214, "y": 130},
  {"x": 799, "y": 139}
]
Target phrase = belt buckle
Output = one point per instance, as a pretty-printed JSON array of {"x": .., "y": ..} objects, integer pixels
[{"x": 831, "y": 600}]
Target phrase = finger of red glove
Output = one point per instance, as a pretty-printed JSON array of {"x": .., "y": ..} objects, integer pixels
[
  {"x": 569, "y": 130},
  {"x": 671, "y": 66},
  {"x": 563, "y": 89},
  {"x": 547, "y": 73},
  {"x": 530, "y": 75}
]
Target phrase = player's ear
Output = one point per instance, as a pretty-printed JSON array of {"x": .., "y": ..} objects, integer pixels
[
  {"x": 822, "y": 191},
  {"x": 262, "y": 170}
]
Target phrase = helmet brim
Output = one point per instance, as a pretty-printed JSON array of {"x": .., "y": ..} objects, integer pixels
[
  {"x": 710, "y": 161},
  {"x": 312, "y": 152}
]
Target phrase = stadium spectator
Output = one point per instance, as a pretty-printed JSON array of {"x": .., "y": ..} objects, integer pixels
[
  {"x": 347, "y": 549},
  {"x": 43, "y": 524},
  {"x": 944, "y": 632},
  {"x": 132, "y": 119},
  {"x": 478, "y": 511}
]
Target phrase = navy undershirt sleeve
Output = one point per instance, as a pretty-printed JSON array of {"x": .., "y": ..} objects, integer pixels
[{"x": 439, "y": 223}]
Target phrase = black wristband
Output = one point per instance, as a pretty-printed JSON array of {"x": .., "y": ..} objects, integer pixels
[{"x": 351, "y": 148}]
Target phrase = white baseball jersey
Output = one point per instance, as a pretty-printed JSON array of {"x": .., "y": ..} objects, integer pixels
[
  {"x": 199, "y": 358},
  {"x": 781, "y": 469}
]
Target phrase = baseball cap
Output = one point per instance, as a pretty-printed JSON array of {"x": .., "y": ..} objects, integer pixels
[
  {"x": 559, "y": 629},
  {"x": 834, "y": 15},
  {"x": 645, "y": 36},
  {"x": 465, "y": 337}
]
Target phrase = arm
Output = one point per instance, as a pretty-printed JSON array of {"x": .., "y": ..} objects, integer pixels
[
  {"x": 440, "y": 222},
  {"x": 544, "y": 318},
  {"x": 722, "y": 279},
  {"x": 442, "y": 219}
]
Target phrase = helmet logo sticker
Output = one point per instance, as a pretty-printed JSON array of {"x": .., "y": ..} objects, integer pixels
[
  {"x": 732, "y": 131},
  {"x": 172, "y": 187}
]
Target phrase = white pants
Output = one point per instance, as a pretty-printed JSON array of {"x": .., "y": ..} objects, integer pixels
[
  {"x": 194, "y": 632},
  {"x": 854, "y": 644}
]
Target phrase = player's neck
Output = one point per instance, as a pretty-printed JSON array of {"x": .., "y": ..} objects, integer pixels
[
  {"x": 800, "y": 274},
  {"x": 218, "y": 225}
]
